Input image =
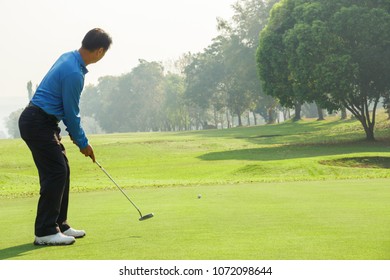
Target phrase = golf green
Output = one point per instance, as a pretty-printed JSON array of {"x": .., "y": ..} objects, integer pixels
[{"x": 276, "y": 221}]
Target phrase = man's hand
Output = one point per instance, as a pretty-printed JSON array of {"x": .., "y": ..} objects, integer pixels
[{"x": 88, "y": 152}]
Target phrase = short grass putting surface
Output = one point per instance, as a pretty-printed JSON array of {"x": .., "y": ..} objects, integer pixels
[{"x": 300, "y": 220}]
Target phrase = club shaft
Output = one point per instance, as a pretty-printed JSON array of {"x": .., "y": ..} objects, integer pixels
[{"x": 122, "y": 191}]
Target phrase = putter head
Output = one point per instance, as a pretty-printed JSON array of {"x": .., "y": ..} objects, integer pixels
[{"x": 145, "y": 217}]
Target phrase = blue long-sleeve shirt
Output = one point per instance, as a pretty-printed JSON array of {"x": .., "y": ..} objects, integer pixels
[{"x": 59, "y": 94}]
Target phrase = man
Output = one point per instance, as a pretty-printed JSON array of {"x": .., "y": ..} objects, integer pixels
[{"x": 57, "y": 98}]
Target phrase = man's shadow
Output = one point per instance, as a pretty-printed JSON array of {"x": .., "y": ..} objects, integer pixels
[{"x": 17, "y": 251}]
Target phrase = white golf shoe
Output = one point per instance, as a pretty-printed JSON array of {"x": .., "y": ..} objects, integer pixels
[
  {"x": 54, "y": 239},
  {"x": 74, "y": 233}
]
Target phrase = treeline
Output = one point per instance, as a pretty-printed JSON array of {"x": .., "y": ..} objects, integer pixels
[
  {"x": 271, "y": 56},
  {"x": 332, "y": 55},
  {"x": 210, "y": 89}
]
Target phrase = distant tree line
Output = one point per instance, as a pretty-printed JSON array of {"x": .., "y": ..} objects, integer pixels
[
  {"x": 204, "y": 90},
  {"x": 269, "y": 58}
]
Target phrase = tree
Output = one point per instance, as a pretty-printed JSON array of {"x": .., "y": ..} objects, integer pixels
[
  {"x": 174, "y": 107},
  {"x": 205, "y": 81},
  {"x": 242, "y": 85},
  {"x": 146, "y": 91},
  {"x": 272, "y": 58},
  {"x": 205, "y": 74},
  {"x": 332, "y": 52},
  {"x": 364, "y": 53},
  {"x": 244, "y": 89},
  {"x": 12, "y": 123},
  {"x": 224, "y": 76},
  {"x": 91, "y": 126},
  {"x": 130, "y": 102},
  {"x": 30, "y": 91},
  {"x": 103, "y": 103}
]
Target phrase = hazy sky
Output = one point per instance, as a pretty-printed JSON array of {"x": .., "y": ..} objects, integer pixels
[{"x": 36, "y": 32}]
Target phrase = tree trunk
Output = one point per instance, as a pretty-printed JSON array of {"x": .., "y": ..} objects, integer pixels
[
  {"x": 298, "y": 108},
  {"x": 228, "y": 119},
  {"x": 320, "y": 113},
  {"x": 366, "y": 119},
  {"x": 370, "y": 134},
  {"x": 222, "y": 121},
  {"x": 215, "y": 118},
  {"x": 254, "y": 118},
  {"x": 271, "y": 119},
  {"x": 368, "y": 128},
  {"x": 239, "y": 119},
  {"x": 286, "y": 114},
  {"x": 343, "y": 113}
]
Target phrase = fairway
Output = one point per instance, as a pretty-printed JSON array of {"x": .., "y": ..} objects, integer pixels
[
  {"x": 302, "y": 191},
  {"x": 309, "y": 220}
]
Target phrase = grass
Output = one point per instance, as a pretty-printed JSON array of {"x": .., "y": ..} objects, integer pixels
[
  {"x": 294, "y": 152},
  {"x": 266, "y": 194},
  {"x": 309, "y": 220}
]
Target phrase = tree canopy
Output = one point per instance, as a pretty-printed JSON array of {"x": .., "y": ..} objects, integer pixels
[{"x": 335, "y": 53}]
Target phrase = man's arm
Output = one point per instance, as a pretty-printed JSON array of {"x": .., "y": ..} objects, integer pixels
[{"x": 72, "y": 86}]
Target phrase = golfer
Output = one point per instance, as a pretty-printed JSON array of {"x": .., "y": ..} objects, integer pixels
[{"x": 57, "y": 98}]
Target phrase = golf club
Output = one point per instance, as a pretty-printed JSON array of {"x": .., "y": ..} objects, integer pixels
[{"x": 142, "y": 218}]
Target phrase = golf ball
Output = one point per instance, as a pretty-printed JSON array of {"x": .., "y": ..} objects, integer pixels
[{"x": 199, "y": 196}]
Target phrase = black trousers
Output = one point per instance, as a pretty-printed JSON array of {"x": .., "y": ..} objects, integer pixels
[{"x": 41, "y": 133}]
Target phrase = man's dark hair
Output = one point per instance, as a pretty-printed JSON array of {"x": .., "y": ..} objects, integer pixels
[{"x": 95, "y": 39}]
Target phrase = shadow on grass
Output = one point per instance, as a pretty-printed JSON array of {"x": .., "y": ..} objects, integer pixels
[
  {"x": 18, "y": 250},
  {"x": 296, "y": 151},
  {"x": 360, "y": 162},
  {"x": 288, "y": 128}
]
